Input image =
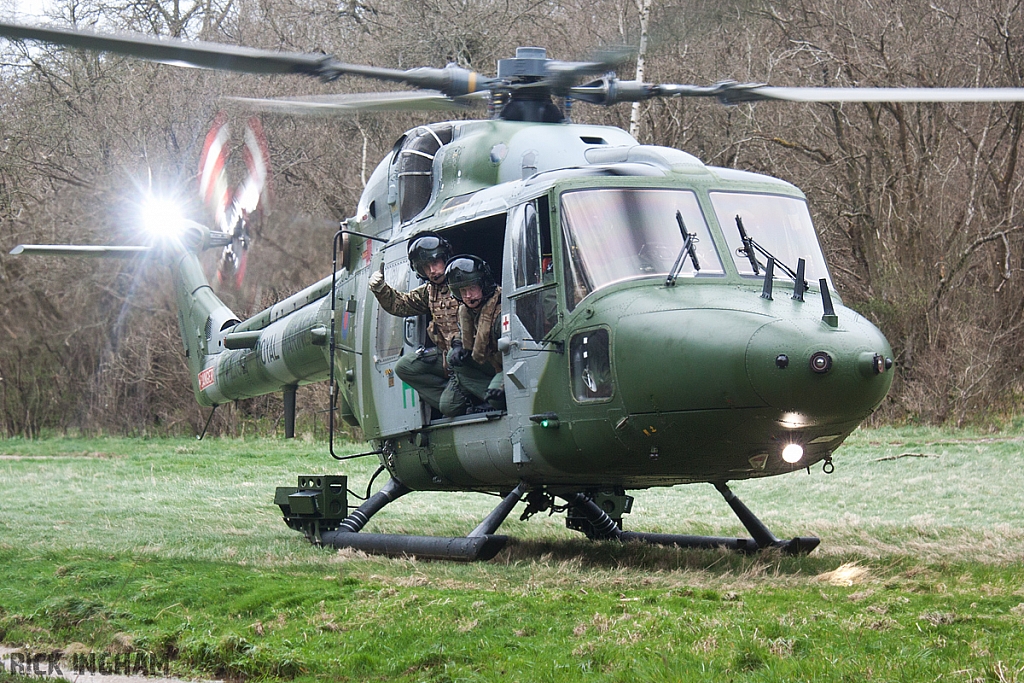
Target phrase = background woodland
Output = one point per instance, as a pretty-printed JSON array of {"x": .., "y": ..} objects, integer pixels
[{"x": 919, "y": 207}]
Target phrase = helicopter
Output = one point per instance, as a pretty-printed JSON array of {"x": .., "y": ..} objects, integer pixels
[{"x": 663, "y": 322}]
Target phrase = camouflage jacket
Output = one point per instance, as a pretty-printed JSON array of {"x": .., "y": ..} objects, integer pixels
[
  {"x": 481, "y": 328},
  {"x": 426, "y": 299}
]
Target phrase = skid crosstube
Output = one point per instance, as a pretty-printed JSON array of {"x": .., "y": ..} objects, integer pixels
[{"x": 479, "y": 544}]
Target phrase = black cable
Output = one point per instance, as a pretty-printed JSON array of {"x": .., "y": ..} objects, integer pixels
[
  {"x": 368, "y": 486},
  {"x": 208, "y": 420},
  {"x": 373, "y": 479},
  {"x": 357, "y": 455}
]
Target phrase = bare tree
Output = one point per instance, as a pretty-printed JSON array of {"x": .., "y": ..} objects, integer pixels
[{"x": 918, "y": 206}]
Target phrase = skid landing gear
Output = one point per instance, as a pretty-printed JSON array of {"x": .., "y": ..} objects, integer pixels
[
  {"x": 604, "y": 527},
  {"x": 479, "y": 544},
  {"x": 318, "y": 508}
]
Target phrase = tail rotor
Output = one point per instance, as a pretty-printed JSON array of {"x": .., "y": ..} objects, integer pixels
[{"x": 234, "y": 212}]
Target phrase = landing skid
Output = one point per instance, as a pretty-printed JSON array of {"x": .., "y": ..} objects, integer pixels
[
  {"x": 483, "y": 544},
  {"x": 604, "y": 527}
]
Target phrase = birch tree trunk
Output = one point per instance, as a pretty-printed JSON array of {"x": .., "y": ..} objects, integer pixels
[{"x": 644, "y": 9}]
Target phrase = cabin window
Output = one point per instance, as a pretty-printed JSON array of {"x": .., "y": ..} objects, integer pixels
[
  {"x": 416, "y": 167},
  {"x": 590, "y": 365},
  {"x": 534, "y": 295},
  {"x": 781, "y": 225},
  {"x": 390, "y": 335},
  {"x": 616, "y": 234}
]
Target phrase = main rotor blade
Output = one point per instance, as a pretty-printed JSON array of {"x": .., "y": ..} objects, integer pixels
[
  {"x": 451, "y": 80},
  {"x": 730, "y": 92},
  {"x": 78, "y": 250},
  {"x": 882, "y": 94},
  {"x": 177, "y": 52},
  {"x": 609, "y": 90},
  {"x": 350, "y": 105},
  {"x": 603, "y": 61},
  {"x": 559, "y": 76}
]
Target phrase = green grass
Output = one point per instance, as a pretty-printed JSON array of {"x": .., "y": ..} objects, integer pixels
[{"x": 173, "y": 547}]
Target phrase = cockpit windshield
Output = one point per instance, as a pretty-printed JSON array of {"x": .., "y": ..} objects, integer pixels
[
  {"x": 781, "y": 225},
  {"x": 614, "y": 234}
]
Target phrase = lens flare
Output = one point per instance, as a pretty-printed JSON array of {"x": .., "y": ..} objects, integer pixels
[{"x": 162, "y": 217}]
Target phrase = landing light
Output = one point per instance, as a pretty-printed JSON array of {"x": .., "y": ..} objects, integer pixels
[
  {"x": 793, "y": 420},
  {"x": 792, "y": 453}
]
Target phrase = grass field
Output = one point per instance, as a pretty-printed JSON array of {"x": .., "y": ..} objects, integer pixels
[{"x": 173, "y": 548}]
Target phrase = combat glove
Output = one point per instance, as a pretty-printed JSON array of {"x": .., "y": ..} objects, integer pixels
[
  {"x": 377, "y": 282},
  {"x": 458, "y": 354},
  {"x": 496, "y": 397}
]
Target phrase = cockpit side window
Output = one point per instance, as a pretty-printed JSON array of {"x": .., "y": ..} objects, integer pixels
[
  {"x": 531, "y": 240},
  {"x": 534, "y": 294},
  {"x": 527, "y": 253}
]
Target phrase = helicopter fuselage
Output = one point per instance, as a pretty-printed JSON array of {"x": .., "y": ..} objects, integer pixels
[{"x": 615, "y": 378}]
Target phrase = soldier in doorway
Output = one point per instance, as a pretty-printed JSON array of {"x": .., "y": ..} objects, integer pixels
[
  {"x": 425, "y": 370},
  {"x": 474, "y": 356}
]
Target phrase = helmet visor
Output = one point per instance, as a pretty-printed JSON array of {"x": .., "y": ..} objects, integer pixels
[
  {"x": 425, "y": 243},
  {"x": 465, "y": 273}
]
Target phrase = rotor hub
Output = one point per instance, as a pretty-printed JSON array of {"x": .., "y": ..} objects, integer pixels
[{"x": 529, "y": 62}]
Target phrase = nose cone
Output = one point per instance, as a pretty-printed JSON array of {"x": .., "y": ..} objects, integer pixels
[
  {"x": 685, "y": 360},
  {"x": 711, "y": 359},
  {"x": 816, "y": 373}
]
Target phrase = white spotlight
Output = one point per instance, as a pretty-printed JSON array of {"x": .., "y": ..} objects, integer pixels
[
  {"x": 792, "y": 453},
  {"x": 162, "y": 217}
]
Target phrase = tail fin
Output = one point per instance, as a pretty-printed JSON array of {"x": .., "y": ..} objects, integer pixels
[{"x": 203, "y": 319}]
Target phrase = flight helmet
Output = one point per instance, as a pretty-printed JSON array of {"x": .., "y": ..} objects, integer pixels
[
  {"x": 465, "y": 270},
  {"x": 424, "y": 249}
]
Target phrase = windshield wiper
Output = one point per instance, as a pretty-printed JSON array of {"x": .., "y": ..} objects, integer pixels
[
  {"x": 750, "y": 247},
  {"x": 689, "y": 249}
]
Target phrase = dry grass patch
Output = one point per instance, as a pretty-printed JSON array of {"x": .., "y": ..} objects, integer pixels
[{"x": 847, "y": 574}]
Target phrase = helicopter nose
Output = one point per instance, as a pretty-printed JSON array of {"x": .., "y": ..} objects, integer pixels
[
  {"x": 809, "y": 371},
  {"x": 685, "y": 360},
  {"x": 814, "y": 372}
]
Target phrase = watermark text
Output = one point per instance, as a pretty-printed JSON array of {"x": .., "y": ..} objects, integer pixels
[{"x": 56, "y": 663}]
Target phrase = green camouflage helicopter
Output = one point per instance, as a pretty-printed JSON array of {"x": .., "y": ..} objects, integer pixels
[{"x": 662, "y": 321}]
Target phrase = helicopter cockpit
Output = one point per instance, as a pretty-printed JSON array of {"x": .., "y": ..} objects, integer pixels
[
  {"x": 605, "y": 235},
  {"x": 612, "y": 235}
]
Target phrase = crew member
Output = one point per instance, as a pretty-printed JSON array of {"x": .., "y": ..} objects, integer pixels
[
  {"x": 474, "y": 356},
  {"x": 425, "y": 370}
]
